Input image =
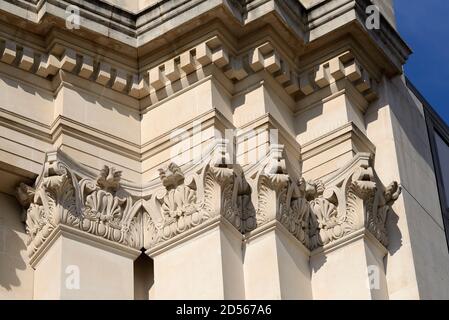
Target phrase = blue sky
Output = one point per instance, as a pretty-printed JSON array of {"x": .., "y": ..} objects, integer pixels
[{"x": 424, "y": 25}]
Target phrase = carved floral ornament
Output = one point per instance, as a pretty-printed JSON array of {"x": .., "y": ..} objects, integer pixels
[
  {"x": 98, "y": 207},
  {"x": 315, "y": 213}
]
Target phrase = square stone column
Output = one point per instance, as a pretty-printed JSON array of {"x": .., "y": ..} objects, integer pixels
[
  {"x": 348, "y": 234},
  {"x": 192, "y": 230},
  {"x": 276, "y": 257},
  {"x": 76, "y": 265},
  {"x": 276, "y": 265},
  {"x": 205, "y": 264},
  {"x": 352, "y": 268}
]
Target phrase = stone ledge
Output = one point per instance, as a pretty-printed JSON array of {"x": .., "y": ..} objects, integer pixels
[
  {"x": 276, "y": 226},
  {"x": 360, "y": 234},
  {"x": 160, "y": 82},
  {"x": 75, "y": 234},
  {"x": 140, "y": 29}
]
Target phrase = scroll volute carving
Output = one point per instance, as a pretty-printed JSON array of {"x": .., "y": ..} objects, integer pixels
[
  {"x": 226, "y": 191},
  {"x": 28, "y": 198},
  {"x": 296, "y": 217},
  {"x": 98, "y": 207},
  {"x": 52, "y": 201},
  {"x": 376, "y": 219},
  {"x": 245, "y": 213},
  {"x": 352, "y": 202},
  {"x": 217, "y": 182},
  {"x": 280, "y": 197},
  {"x": 185, "y": 202},
  {"x": 271, "y": 184}
]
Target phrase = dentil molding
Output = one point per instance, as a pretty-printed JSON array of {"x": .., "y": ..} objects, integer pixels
[{"x": 173, "y": 74}]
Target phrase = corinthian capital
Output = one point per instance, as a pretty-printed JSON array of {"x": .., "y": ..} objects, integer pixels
[
  {"x": 63, "y": 197},
  {"x": 352, "y": 200},
  {"x": 185, "y": 202}
]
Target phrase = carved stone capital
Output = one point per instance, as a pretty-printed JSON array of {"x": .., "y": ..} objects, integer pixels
[
  {"x": 278, "y": 196},
  {"x": 316, "y": 213},
  {"x": 319, "y": 213},
  {"x": 185, "y": 202},
  {"x": 353, "y": 200},
  {"x": 63, "y": 197}
]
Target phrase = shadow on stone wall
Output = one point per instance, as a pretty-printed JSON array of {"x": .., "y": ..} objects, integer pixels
[
  {"x": 12, "y": 245},
  {"x": 423, "y": 214},
  {"x": 143, "y": 277},
  {"x": 12, "y": 249}
]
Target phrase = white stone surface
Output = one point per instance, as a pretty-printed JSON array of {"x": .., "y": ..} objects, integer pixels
[
  {"x": 208, "y": 266},
  {"x": 282, "y": 261},
  {"x": 88, "y": 124},
  {"x": 344, "y": 272},
  {"x": 71, "y": 270}
]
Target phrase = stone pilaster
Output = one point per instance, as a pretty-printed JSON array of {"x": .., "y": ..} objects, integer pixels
[
  {"x": 191, "y": 230},
  {"x": 348, "y": 223},
  {"x": 304, "y": 230},
  {"x": 224, "y": 229},
  {"x": 276, "y": 246}
]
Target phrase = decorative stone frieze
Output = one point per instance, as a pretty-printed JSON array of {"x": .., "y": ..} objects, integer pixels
[
  {"x": 316, "y": 213},
  {"x": 62, "y": 197},
  {"x": 319, "y": 213}
]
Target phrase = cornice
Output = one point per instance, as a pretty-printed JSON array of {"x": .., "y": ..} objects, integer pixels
[
  {"x": 301, "y": 82},
  {"x": 348, "y": 17},
  {"x": 158, "y": 26},
  {"x": 145, "y": 89},
  {"x": 332, "y": 138},
  {"x": 139, "y": 29},
  {"x": 262, "y": 65}
]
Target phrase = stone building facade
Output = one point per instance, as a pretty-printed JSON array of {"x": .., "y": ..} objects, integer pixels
[{"x": 219, "y": 149}]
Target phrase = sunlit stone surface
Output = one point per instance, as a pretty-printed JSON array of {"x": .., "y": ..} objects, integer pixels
[{"x": 213, "y": 150}]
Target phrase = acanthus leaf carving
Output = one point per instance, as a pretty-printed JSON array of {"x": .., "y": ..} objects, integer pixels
[
  {"x": 98, "y": 207},
  {"x": 186, "y": 202},
  {"x": 351, "y": 203},
  {"x": 172, "y": 209},
  {"x": 315, "y": 213},
  {"x": 280, "y": 197}
]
